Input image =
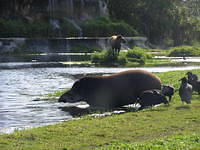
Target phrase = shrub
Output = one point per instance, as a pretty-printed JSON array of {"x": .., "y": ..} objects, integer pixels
[
  {"x": 182, "y": 51},
  {"x": 121, "y": 60},
  {"x": 98, "y": 57},
  {"x": 137, "y": 55},
  {"x": 39, "y": 29},
  {"x": 103, "y": 26},
  {"x": 12, "y": 28},
  {"x": 69, "y": 29},
  {"x": 107, "y": 58},
  {"x": 20, "y": 28}
]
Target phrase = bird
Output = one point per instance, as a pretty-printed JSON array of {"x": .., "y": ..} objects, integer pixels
[
  {"x": 194, "y": 81},
  {"x": 168, "y": 90},
  {"x": 185, "y": 91}
]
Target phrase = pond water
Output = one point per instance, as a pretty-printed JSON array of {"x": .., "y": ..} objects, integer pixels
[
  {"x": 21, "y": 92},
  {"x": 180, "y": 59}
]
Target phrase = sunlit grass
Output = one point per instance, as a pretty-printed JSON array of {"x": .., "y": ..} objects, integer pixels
[{"x": 181, "y": 142}]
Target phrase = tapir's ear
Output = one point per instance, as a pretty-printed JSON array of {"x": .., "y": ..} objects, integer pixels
[{"x": 76, "y": 85}]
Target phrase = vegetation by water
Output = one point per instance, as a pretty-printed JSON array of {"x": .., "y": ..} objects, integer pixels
[
  {"x": 21, "y": 28},
  {"x": 104, "y": 26},
  {"x": 165, "y": 127},
  {"x": 184, "y": 51},
  {"x": 144, "y": 57},
  {"x": 110, "y": 58}
]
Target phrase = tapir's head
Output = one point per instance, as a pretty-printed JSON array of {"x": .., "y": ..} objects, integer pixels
[
  {"x": 80, "y": 91},
  {"x": 160, "y": 98},
  {"x": 73, "y": 95},
  {"x": 121, "y": 38}
]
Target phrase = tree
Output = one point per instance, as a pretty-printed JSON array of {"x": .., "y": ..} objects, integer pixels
[{"x": 159, "y": 20}]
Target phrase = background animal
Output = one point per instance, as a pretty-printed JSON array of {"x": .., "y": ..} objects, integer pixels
[
  {"x": 115, "y": 42},
  {"x": 151, "y": 98},
  {"x": 168, "y": 90},
  {"x": 112, "y": 91},
  {"x": 194, "y": 81},
  {"x": 185, "y": 91}
]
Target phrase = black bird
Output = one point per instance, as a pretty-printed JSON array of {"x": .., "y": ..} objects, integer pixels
[
  {"x": 168, "y": 90},
  {"x": 194, "y": 81},
  {"x": 185, "y": 91}
]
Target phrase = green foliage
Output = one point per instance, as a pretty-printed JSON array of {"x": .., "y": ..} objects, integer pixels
[
  {"x": 108, "y": 58},
  {"x": 149, "y": 17},
  {"x": 103, "y": 26},
  {"x": 20, "y": 28},
  {"x": 159, "y": 20},
  {"x": 184, "y": 51},
  {"x": 38, "y": 29},
  {"x": 189, "y": 142},
  {"x": 138, "y": 55},
  {"x": 68, "y": 29},
  {"x": 185, "y": 28},
  {"x": 84, "y": 48},
  {"x": 12, "y": 28}
]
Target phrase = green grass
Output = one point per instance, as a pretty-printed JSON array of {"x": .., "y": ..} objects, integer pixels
[
  {"x": 165, "y": 127},
  {"x": 53, "y": 95},
  {"x": 186, "y": 51},
  {"x": 180, "y": 142}
]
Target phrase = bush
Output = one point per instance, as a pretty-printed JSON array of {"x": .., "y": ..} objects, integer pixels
[
  {"x": 184, "y": 51},
  {"x": 20, "y": 28},
  {"x": 107, "y": 58},
  {"x": 39, "y": 29},
  {"x": 103, "y": 26},
  {"x": 121, "y": 60},
  {"x": 12, "y": 28},
  {"x": 68, "y": 29},
  {"x": 137, "y": 55}
]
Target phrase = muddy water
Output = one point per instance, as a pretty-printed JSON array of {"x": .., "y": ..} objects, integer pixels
[{"x": 21, "y": 91}]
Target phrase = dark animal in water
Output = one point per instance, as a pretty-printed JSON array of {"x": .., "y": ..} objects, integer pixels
[
  {"x": 185, "y": 91},
  {"x": 151, "y": 98},
  {"x": 112, "y": 91},
  {"x": 168, "y": 90},
  {"x": 115, "y": 42}
]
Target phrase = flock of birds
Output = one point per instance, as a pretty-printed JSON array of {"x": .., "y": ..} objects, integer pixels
[{"x": 188, "y": 85}]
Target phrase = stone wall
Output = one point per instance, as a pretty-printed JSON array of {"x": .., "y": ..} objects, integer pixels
[{"x": 56, "y": 45}]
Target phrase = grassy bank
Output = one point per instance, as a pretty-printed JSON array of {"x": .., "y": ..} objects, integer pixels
[{"x": 165, "y": 127}]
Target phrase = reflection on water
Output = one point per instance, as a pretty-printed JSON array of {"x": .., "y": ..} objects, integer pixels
[
  {"x": 180, "y": 59},
  {"x": 19, "y": 88}
]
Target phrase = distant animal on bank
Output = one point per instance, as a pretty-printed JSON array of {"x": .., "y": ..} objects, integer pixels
[
  {"x": 194, "y": 81},
  {"x": 151, "y": 98},
  {"x": 185, "y": 91},
  {"x": 115, "y": 42},
  {"x": 168, "y": 90},
  {"x": 112, "y": 91}
]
